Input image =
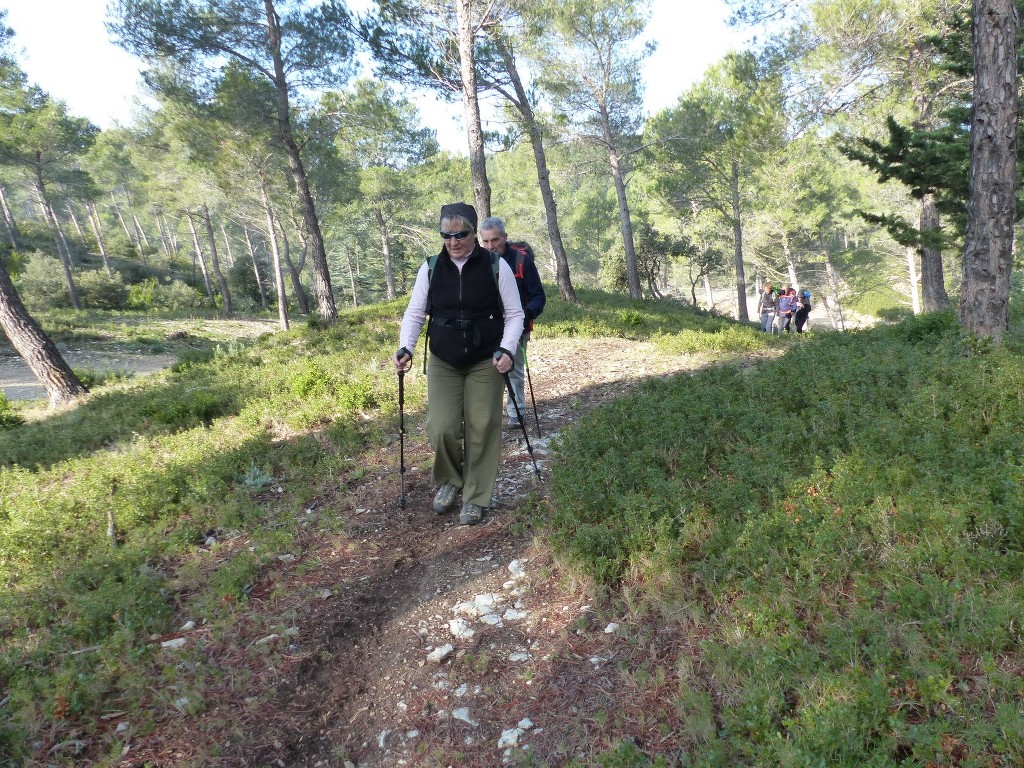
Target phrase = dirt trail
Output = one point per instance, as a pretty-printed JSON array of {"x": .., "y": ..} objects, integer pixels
[
  {"x": 346, "y": 677},
  {"x": 18, "y": 382}
]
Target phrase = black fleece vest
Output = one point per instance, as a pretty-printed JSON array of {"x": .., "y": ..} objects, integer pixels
[{"x": 466, "y": 313}]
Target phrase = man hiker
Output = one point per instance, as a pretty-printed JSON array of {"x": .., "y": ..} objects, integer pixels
[{"x": 531, "y": 293}]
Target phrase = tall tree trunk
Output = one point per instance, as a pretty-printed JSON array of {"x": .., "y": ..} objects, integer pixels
[
  {"x": 256, "y": 268},
  {"x": 708, "y": 292},
  {"x": 833, "y": 303},
  {"x": 787, "y": 253},
  {"x": 227, "y": 245},
  {"x": 58, "y": 238},
  {"x": 737, "y": 233},
  {"x": 385, "y": 246},
  {"x": 632, "y": 269},
  {"x": 282, "y": 301},
  {"x": 94, "y": 221},
  {"x": 140, "y": 233},
  {"x": 321, "y": 272},
  {"x": 991, "y": 202},
  {"x": 218, "y": 273},
  {"x": 78, "y": 227},
  {"x": 293, "y": 273},
  {"x": 522, "y": 104},
  {"x": 35, "y": 347},
  {"x": 915, "y": 283},
  {"x": 200, "y": 259},
  {"x": 8, "y": 218},
  {"x": 172, "y": 238},
  {"x": 351, "y": 276},
  {"x": 471, "y": 108},
  {"x": 124, "y": 224},
  {"x": 933, "y": 280}
]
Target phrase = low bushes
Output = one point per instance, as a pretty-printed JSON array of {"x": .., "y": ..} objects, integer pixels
[{"x": 849, "y": 521}]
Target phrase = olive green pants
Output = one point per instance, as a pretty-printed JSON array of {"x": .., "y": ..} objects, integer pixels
[{"x": 464, "y": 425}]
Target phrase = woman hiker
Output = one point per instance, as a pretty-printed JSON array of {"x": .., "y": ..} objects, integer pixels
[{"x": 475, "y": 321}]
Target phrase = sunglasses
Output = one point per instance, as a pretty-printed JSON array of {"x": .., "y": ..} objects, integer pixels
[{"x": 456, "y": 235}]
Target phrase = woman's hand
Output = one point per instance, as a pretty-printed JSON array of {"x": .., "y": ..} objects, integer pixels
[
  {"x": 402, "y": 358},
  {"x": 502, "y": 362}
]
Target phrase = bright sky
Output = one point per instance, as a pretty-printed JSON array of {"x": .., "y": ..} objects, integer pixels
[{"x": 64, "y": 48}]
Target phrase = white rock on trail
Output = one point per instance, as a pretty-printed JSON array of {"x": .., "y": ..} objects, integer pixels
[
  {"x": 462, "y": 713},
  {"x": 172, "y": 644},
  {"x": 438, "y": 655},
  {"x": 460, "y": 629}
]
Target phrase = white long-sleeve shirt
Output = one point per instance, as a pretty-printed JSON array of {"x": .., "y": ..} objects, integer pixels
[{"x": 416, "y": 313}]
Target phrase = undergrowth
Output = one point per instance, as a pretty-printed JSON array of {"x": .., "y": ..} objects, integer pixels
[
  {"x": 842, "y": 527},
  {"x": 106, "y": 509}
]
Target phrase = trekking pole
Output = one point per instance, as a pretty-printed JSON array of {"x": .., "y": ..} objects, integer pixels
[
  {"x": 526, "y": 367},
  {"x": 519, "y": 415},
  {"x": 401, "y": 436}
]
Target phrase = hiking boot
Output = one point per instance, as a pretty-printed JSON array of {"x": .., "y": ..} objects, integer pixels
[
  {"x": 444, "y": 498},
  {"x": 471, "y": 514},
  {"x": 514, "y": 423}
]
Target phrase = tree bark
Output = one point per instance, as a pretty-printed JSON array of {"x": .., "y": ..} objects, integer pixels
[
  {"x": 124, "y": 225},
  {"x": 737, "y": 233},
  {"x": 933, "y": 281},
  {"x": 221, "y": 282},
  {"x": 351, "y": 276},
  {"x": 991, "y": 202},
  {"x": 321, "y": 272},
  {"x": 256, "y": 268},
  {"x": 141, "y": 234},
  {"x": 385, "y": 246},
  {"x": 293, "y": 272},
  {"x": 94, "y": 221},
  {"x": 833, "y": 304},
  {"x": 282, "y": 301},
  {"x": 709, "y": 294},
  {"x": 8, "y": 218},
  {"x": 200, "y": 259},
  {"x": 522, "y": 104},
  {"x": 58, "y": 238},
  {"x": 632, "y": 268},
  {"x": 35, "y": 347},
  {"x": 471, "y": 108},
  {"x": 78, "y": 227},
  {"x": 227, "y": 245}
]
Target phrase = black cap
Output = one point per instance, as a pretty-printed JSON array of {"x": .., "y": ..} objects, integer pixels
[{"x": 465, "y": 210}]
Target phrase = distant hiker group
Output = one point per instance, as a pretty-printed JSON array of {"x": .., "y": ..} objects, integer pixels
[
  {"x": 478, "y": 303},
  {"x": 783, "y": 308}
]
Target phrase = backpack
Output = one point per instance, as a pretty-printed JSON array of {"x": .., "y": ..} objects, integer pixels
[{"x": 523, "y": 249}]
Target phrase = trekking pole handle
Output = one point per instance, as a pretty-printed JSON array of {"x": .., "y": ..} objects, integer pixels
[
  {"x": 512, "y": 358},
  {"x": 402, "y": 358}
]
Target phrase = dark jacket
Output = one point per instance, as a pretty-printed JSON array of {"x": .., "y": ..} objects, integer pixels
[
  {"x": 465, "y": 309},
  {"x": 531, "y": 291}
]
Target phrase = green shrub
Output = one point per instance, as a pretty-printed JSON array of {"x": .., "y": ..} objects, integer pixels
[
  {"x": 41, "y": 282},
  {"x": 97, "y": 290},
  {"x": 8, "y": 418}
]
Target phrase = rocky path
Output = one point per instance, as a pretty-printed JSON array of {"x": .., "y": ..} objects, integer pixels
[{"x": 405, "y": 639}]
